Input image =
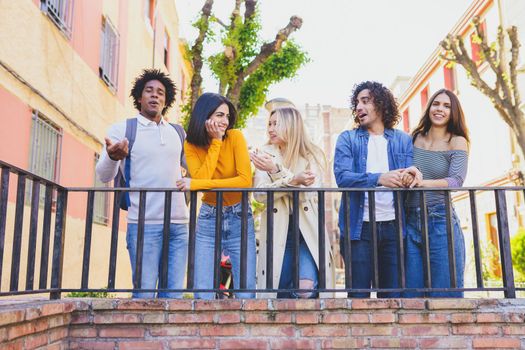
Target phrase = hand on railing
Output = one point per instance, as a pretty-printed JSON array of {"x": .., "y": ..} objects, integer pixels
[
  {"x": 183, "y": 184},
  {"x": 412, "y": 177},
  {"x": 392, "y": 178},
  {"x": 118, "y": 150}
]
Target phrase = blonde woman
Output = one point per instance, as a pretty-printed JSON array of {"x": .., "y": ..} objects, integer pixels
[{"x": 290, "y": 159}]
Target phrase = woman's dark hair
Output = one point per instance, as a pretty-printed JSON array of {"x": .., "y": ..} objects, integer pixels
[
  {"x": 383, "y": 100},
  {"x": 456, "y": 124},
  {"x": 149, "y": 75},
  {"x": 206, "y": 104}
]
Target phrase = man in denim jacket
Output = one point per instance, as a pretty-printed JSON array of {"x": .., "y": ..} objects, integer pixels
[{"x": 374, "y": 154}]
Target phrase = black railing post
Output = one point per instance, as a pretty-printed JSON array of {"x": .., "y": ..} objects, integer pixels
[
  {"x": 140, "y": 241},
  {"x": 218, "y": 244},
  {"x": 191, "y": 240},
  {"x": 373, "y": 230},
  {"x": 46, "y": 237},
  {"x": 87, "y": 240},
  {"x": 296, "y": 235},
  {"x": 33, "y": 225},
  {"x": 475, "y": 238},
  {"x": 322, "y": 241},
  {"x": 347, "y": 241},
  {"x": 244, "y": 241},
  {"x": 269, "y": 239},
  {"x": 4, "y": 192},
  {"x": 114, "y": 240},
  {"x": 163, "y": 276},
  {"x": 400, "y": 240},
  {"x": 58, "y": 244},
  {"x": 451, "y": 240},
  {"x": 427, "y": 276},
  {"x": 17, "y": 232},
  {"x": 504, "y": 245}
]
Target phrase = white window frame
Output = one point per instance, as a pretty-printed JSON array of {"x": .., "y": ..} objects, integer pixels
[
  {"x": 109, "y": 54},
  {"x": 61, "y": 13}
]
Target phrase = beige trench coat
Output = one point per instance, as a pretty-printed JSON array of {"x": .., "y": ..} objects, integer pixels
[{"x": 308, "y": 220}]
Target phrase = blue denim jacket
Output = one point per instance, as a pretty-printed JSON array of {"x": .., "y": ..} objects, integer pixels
[{"x": 351, "y": 153}]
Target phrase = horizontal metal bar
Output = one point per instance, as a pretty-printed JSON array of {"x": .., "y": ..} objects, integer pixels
[
  {"x": 302, "y": 189},
  {"x": 29, "y": 175}
]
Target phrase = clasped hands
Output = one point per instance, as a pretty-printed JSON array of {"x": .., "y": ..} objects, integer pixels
[
  {"x": 409, "y": 177},
  {"x": 264, "y": 162}
]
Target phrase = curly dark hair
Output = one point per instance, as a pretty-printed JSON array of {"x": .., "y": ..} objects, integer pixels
[
  {"x": 153, "y": 74},
  {"x": 383, "y": 99}
]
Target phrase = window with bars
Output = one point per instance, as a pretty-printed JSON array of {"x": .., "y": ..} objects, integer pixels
[
  {"x": 101, "y": 205},
  {"x": 61, "y": 13},
  {"x": 109, "y": 52},
  {"x": 46, "y": 145}
]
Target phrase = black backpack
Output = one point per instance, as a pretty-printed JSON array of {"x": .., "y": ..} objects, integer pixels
[{"x": 122, "y": 180}]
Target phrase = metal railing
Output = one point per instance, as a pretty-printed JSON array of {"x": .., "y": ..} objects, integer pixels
[{"x": 54, "y": 286}]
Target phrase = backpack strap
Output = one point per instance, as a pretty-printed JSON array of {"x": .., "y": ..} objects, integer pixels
[
  {"x": 182, "y": 134},
  {"x": 131, "y": 133}
]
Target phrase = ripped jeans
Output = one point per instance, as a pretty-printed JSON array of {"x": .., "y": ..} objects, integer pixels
[{"x": 438, "y": 252}]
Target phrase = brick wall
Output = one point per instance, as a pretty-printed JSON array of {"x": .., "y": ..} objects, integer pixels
[{"x": 263, "y": 324}]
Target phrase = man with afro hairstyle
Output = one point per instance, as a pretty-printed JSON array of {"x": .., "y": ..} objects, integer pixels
[
  {"x": 155, "y": 147},
  {"x": 374, "y": 154}
]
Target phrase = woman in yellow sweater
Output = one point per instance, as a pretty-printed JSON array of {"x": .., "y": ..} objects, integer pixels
[{"x": 217, "y": 157}]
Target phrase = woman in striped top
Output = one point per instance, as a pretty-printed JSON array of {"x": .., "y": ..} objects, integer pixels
[{"x": 441, "y": 154}]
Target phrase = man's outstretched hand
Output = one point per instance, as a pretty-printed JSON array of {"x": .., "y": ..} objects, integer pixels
[{"x": 118, "y": 150}]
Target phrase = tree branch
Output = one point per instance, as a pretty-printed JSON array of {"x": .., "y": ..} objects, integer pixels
[
  {"x": 457, "y": 46},
  {"x": 236, "y": 13},
  {"x": 495, "y": 63},
  {"x": 216, "y": 19},
  {"x": 513, "y": 64},
  {"x": 266, "y": 51},
  {"x": 250, "y": 9},
  {"x": 196, "y": 51},
  {"x": 501, "y": 73}
]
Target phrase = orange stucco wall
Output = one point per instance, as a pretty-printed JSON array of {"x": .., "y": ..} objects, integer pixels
[
  {"x": 87, "y": 23},
  {"x": 78, "y": 171},
  {"x": 123, "y": 32},
  {"x": 15, "y": 133}
]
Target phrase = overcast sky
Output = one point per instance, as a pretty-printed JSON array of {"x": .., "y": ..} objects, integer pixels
[{"x": 347, "y": 40}]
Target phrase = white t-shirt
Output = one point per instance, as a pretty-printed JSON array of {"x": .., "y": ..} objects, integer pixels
[{"x": 377, "y": 162}]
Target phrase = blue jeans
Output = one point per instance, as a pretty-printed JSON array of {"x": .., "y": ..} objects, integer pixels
[
  {"x": 388, "y": 261},
  {"x": 152, "y": 254},
  {"x": 438, "y": 252},
  {"x": 307, "y": 268},
  {"x": 230, "y": 242}
]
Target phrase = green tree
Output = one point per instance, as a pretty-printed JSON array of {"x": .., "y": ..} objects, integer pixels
[
  {"x": 246, "y": 66},
  {"x": 517, "y": 245},
  {"x": 504, "y": 92}
]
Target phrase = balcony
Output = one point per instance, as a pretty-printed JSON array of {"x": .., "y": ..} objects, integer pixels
[{"x": 39, "y": 253}]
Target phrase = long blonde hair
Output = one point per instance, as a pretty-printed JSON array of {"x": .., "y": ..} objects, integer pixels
[{"x": 290, "y": 128}]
